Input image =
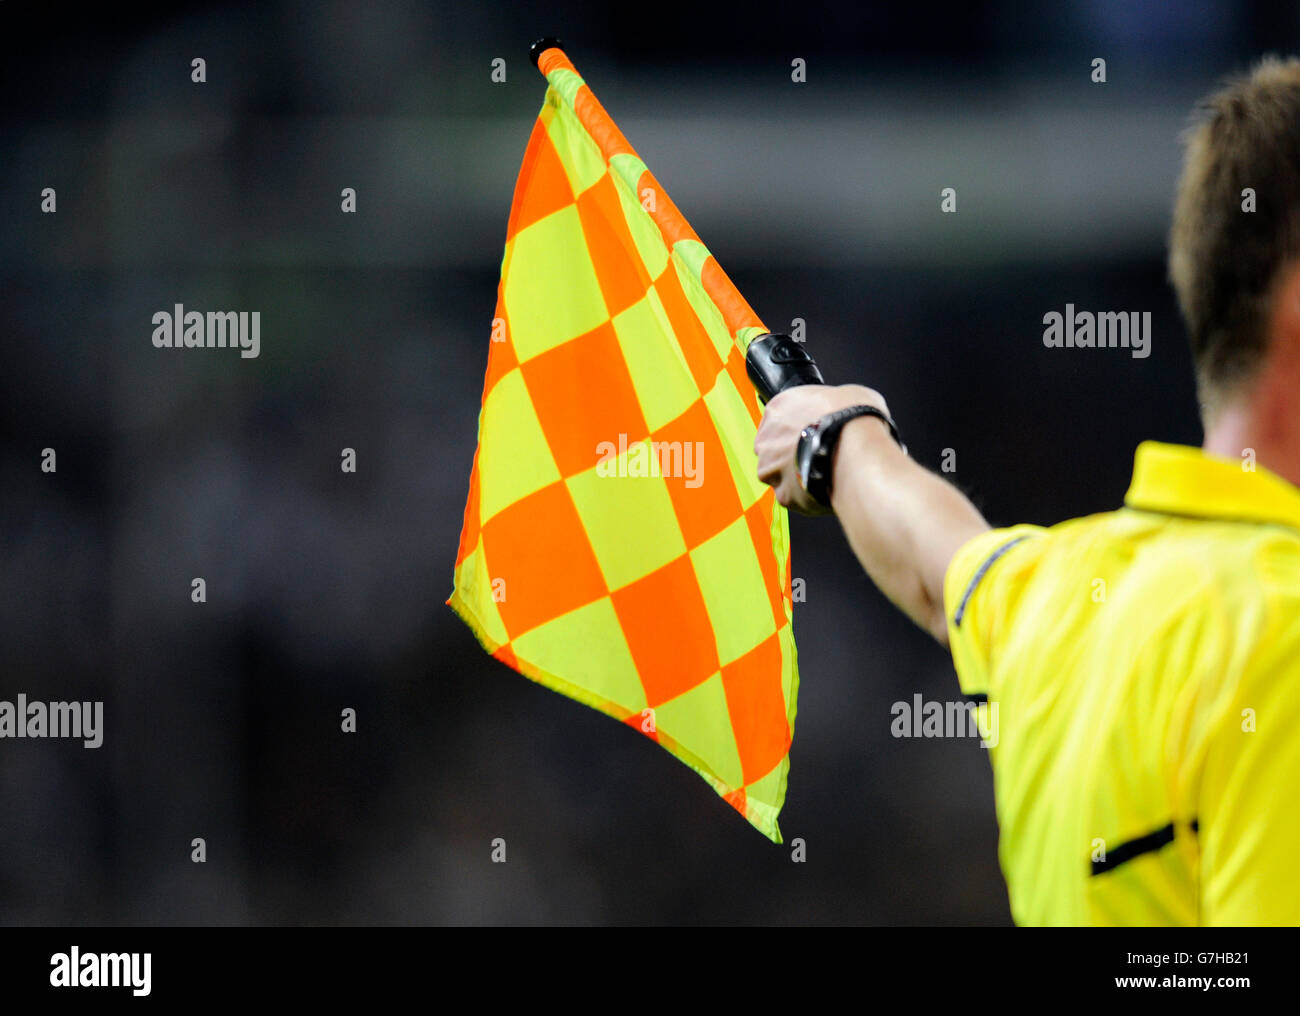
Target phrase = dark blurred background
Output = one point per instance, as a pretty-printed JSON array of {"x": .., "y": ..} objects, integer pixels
[{"x": 326, "y": 589}]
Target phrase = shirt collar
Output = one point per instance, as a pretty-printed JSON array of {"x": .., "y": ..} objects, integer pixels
[{"x": 1181, "y": 480}]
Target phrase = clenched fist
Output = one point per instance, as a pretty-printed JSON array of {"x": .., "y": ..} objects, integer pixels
[{"x": 778, "y": 435}]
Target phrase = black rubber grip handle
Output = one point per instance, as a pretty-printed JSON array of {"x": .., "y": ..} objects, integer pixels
[
  {"x": 541, "y": 45},
  {"x": 776, "y": 362}
]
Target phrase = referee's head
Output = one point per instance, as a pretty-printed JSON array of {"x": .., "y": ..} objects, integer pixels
[{"x": 1234, "y": 247}]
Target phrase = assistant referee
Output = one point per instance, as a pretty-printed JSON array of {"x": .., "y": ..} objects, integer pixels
[{"x": 1148, "y": 762}]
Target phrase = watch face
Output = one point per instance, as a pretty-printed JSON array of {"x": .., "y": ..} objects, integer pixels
[
  {"x": 814, "y": 461},
  {"x": 804, "y": 453}
]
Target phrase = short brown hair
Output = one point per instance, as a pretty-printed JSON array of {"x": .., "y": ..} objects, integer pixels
[{"x": 1224, "y": 260}]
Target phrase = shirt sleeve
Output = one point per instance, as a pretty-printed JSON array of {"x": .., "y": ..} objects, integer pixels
[
  {"x": 976, "y": 600},
  {"x": 1248, "y": 824}
]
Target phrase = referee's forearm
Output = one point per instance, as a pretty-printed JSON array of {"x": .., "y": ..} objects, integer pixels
[{"x": 903, "y": 522}]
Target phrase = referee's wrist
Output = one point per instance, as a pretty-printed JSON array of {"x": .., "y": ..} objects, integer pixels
[{"x": 863, "y": 439}]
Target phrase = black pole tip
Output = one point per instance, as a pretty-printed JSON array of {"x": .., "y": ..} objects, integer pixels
[{"x": 541, "y": 45}]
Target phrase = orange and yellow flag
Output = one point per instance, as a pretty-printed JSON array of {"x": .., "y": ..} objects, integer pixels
[{"x": 617, "y": 544}]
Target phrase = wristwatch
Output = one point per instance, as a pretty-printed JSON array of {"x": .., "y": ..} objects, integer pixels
[{"x": 815, "y": 453}]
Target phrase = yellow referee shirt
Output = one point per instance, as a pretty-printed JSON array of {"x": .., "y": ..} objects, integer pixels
[{"x": 1145, "y": 667}]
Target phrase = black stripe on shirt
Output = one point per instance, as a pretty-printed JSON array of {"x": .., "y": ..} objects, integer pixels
[
  {"x": 979, "y": 574},
  {"x": 1136, "y": 848}
]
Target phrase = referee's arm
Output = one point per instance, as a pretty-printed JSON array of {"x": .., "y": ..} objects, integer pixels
[{"x": 903, "y": 522}]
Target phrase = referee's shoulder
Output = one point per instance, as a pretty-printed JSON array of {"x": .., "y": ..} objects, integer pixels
[
  {"x": 1209, "y": 563},
  {"x": 1277, "y": 558},
  {"x": 1244, "y": 575},
  {"x": 1277, "y": 567}
]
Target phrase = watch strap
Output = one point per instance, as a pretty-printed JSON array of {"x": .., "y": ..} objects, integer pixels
[{"x": 815, "y": 455}]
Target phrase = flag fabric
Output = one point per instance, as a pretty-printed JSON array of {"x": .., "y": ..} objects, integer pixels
[{"x": 617, "y": 545}]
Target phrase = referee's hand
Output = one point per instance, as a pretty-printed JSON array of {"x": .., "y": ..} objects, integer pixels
[{"x": 778, "y": 435}]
